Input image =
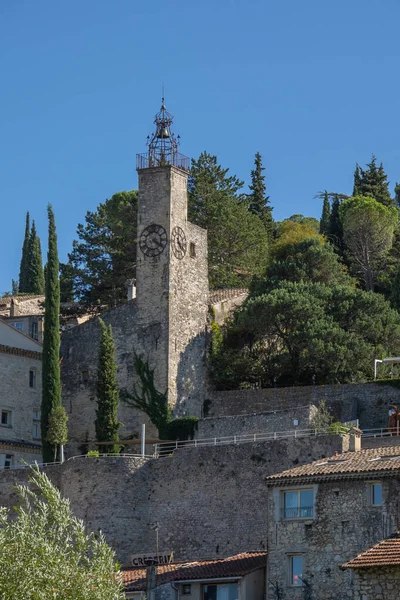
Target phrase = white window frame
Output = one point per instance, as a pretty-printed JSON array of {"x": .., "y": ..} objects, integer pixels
[
  {"x": 8, "y": 412},
  {"x": 35, "y": 371},
  {"x": 371, "y": 485},
  {"x": 299, "y": 508},
  {"x": 290, "y": 569},
  {"x": 36, "y": 424}
]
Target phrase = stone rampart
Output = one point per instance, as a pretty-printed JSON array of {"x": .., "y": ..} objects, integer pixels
[
  {"x": 209, "y": 502},
  {"x": 368, "y": 402},
  {"x": 268, "y": 422}
]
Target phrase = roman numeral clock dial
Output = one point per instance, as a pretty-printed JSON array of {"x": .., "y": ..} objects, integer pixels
[
  {"x": 153, "y": 240},
  {"x": 178, "y": 242}
]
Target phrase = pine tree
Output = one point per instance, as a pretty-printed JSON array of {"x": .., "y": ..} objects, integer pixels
[
  {"x": 397, "y": 194},
  {"x": 259, "y": 201},
  {"x": 374, "y": 184},
  {"x": 395, "y": 294},
  {"x": 107, "y": 424},
  {"x": 35, "y": 275},
  {"x": 23, "y": 270},
  {"x": 51, "y": 394},
  {"x": 66, "y": 282},
  {"x": 326, "y": 215},
  {"x": 357, "y": 181}
]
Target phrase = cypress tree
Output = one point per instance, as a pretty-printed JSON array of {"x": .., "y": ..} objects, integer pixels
[
  {"x": 51, "y": 394},
  {"x": 107, "y": 424},
  {"x": 35, "y": 275},
  {"x": 326, "y": 215},
  {"x": 397, "y": 194},
  {"x": 259, "y": 201},
  {"x": 357, "y": 181},
  {"x": 23, "y": 270},
  {"x": 335, "y": 231}
]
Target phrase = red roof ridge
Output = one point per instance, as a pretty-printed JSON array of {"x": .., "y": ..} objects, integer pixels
[{"x": 384, "y": 553}]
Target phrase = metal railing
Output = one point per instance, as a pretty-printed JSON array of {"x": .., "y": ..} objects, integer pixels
[
  {"x": 165, "y": 448},
  {"x": 149, "y": 160},
  {"x": 381, "y": 432},
  {"x": 298, "y": 512}
]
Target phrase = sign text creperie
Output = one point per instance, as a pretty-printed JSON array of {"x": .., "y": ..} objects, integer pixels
[{"x": 143, "y": 560}]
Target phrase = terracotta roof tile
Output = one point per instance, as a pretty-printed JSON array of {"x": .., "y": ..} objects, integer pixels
[
  {"x": 386, "y": 553},
  {"x": 233, "y": 566},
  {"x": 348, "y": 464}
]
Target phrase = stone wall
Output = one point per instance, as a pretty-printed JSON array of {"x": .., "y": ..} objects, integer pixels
[
  {"x": 367, "y": 402},
  {"x": 381, "y": 583},
  {"x": 344, "y": 525},
  {"x": 268, "y": 422},
  {"x": 209, "y": 502},
  {"x": 17, "y": 397}
]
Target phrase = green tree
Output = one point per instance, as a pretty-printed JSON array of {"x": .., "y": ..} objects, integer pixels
[
  {"x": 290, "y": 233},
  {"x": 397, "y": 194},
  {"x": 302, "y": 220},
  {"x": 35, "y": 275},
  {"x": 237, "y": 239},
  {"x": 47, "y": 553},
  {"x": 107, "y": 424},
  {"x": 23, "y": 270},
  {"x": 308, "y": 261},
  {"x": 335, "y": 230},
  {"x": 326, "y": 215},
  {"x": 357, "y": 181},
  {"x": 51, "y": 385},
  {"x": 395, "y": 293},
  {"x": 66, "y": 282},
  {"x": 259, "y": 203},
  {"x": 368, "y": 227},
  {"x": 307, "y": 333},
  {"x": 104, "y": 256},
  {"x": 372, "y": 182},
  {"x": 57, "y": 431}
]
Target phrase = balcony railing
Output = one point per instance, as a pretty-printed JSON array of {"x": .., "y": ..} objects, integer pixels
[
  {"x": 299, "y": 512},
  {"x": 149, "y": 160}
]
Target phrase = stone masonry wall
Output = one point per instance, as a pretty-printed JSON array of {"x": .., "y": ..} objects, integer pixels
[
  {"x": 209, "y": 502},
  {"x": 377, "y": 584},
  {"x": 367, "y": 402},
  {"x": 268, "y": 422},
  {"x": 344, "y": 525},
  {"x": 79, "y": 352}
]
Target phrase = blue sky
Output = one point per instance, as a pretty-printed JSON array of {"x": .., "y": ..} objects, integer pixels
[{"x": 312, "y": 85}]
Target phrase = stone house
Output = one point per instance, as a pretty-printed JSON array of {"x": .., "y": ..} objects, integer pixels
[
  {"x": 323, "y": 514},
  {"x": 20, "y": 397},
  {"x": 238, "y": 577},
  {"x": 377, "y": 571}
]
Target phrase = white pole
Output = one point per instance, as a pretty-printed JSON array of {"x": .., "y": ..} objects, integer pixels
[
  {"x": 143, "y": 441},
  {"x": 61, "y": 453}
]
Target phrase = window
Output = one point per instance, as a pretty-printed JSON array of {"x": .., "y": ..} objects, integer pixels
[
  {"x": 186, "y": 589},
  {"x": 5, "y": 461},
  {"x": 84, "y": 376},
  {"x": 19, "y": 326},
  {"x": 376, "y": 494},
  {"x": 221, "y": 591},
  {"x": 298, "y": 504},
  {"x": 36, "y": 433},
  {"x": 34, "y": 330},
  {"x": 192, "y": 250},
  {"x": 32, "y": 378},
  {"x": 296, "y": 570},
  {"x": 5, "y": 418}
]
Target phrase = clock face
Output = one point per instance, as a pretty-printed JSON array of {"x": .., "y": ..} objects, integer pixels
[
  {"x": 178, "y": 241},
  {"x": 153, "y": 240}
]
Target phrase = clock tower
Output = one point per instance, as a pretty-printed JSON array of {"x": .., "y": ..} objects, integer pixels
[{"x": 172, "y": 281}]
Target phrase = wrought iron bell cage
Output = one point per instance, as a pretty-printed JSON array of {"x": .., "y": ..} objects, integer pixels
[{"x": 163, "y": 146}]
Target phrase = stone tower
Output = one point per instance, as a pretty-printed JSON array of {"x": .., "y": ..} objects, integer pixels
[{"x": 172, "y": 281}]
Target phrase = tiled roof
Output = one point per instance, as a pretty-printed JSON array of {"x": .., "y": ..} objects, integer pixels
[
  {"x": 20, "y": 352},
  {"x": 220, "y": 295},
  {"x": 384, "y": 554},
  {"x": 233, "y": 566},
  {"x": 342, "y": 466},
  {"x": 7, "y": 299}
]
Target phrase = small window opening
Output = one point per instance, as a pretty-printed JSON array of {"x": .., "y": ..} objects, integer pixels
[
  {"x": 186, "y": 589},
  {"x": 6, "y": 418},
  {"x": 192, "y": 250},
  {"x": 376, "y": 494},
  {"x": 84, "y": 376},
  {"x": 8, "y": 461},
  {"x": 296, "y": 570},
  {"x": 34, "y": 330},
  {"x": 32, "y": 378}
]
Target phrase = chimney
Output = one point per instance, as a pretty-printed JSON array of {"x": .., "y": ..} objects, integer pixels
[
  {"x": 14, "y": 312},
  {"x": 354, "y": 439},
  {"x": 131, "y": 285}
]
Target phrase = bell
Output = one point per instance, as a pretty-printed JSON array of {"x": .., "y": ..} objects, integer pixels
[{"x": 163, "y": 133}]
